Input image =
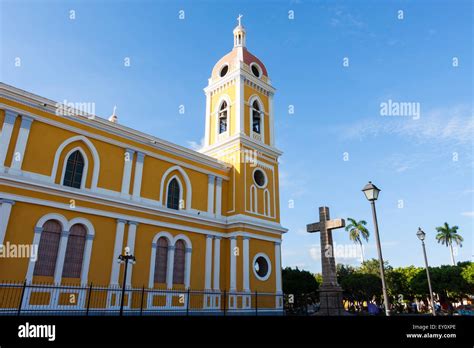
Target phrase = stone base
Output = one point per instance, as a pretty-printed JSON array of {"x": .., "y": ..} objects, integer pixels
[{"x": 330, "y": 301}]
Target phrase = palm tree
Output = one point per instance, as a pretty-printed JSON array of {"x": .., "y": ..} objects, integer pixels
[
  {"x": 357, "y": 232},
  {"x": 447, "y": 235}
]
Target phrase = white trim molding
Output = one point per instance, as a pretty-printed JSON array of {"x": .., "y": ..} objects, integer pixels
[
  {"x": 210, "y": 194},
  {"x": 118, "y": 247},
  {"x": 6, "y": 134},
  {"x": 233, "y": 264},
  {"x": 20, "y": 146},
  {"x": 5, "y": 211},
  {"x": 217, "y": 262},
  {"x": 132, "y": 231},
  {"x": 245, "y": 266},
  {"x": 127, "y": 172},
  {"x": 137, "y": 181},
  {"x": 218, "y": 196}
]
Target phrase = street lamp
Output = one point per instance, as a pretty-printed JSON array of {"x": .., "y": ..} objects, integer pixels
[
  {"x": 371, "y": 192},
  {"x": 125, "y": 259},
  {"x": 421, "y": 236}
]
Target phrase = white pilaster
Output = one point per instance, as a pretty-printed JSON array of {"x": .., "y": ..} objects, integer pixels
[
  {"x": 87, "y": 259},
  {"x": 278, "y": 286},
  {"x": 132, "y": 230},
  {"x": 169, "y": 271},
  {"x": 210, "y": 193},
  {"x": 119, "y": 231},
  {"x": 245, "y": 257},
  {"x": 187, "y": 269},
  {"x": 32, "y": 263},
  {"x": 6, "y": 135},
  {"x": 239, "y": 105},
  {"x": 207, "y": 131},
  {"x": 217, "y": 262},
  {"x": 137, "y": 181},
  {"x": 233, "y": 264},
  {"x": 151, "y": 278},
  {"x": 5, "y": 210},
  {"x": 58, "y": 272},
  {"x": 218, "y": 196},
  {"x": 127, "y": 171},
  {"x": 208, "y": 262},
  {"x": 272, "y": 119},
  {"x": 20, "y": 146}
]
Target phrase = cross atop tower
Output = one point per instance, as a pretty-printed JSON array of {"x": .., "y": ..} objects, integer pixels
[
  {"x": 239, "y": 33},
  {"x": 238, "y": 18}
]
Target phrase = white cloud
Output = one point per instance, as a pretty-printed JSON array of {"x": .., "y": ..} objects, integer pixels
[
  {"x": 468, "y": 213},
  {"x": 454, "y": 125},
  {"x": 315, "y": 253},
  {"x": 196, "y": 146}
]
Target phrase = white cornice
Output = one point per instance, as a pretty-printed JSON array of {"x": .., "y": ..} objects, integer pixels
[
  {"x": 47, "y": 105},
  {"x": 245, "y": 75},
  {"x": 123, "y": 203},
  {"x": 243, "y": 139}
]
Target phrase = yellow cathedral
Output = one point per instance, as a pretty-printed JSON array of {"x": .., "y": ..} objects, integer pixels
[{"x": 83, "y": 190}]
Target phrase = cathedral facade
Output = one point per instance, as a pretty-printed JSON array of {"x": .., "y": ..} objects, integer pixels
[{"x": 80, "y": 189}]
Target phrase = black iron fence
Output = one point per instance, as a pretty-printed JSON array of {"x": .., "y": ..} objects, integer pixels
[{"x": 46, "y": 299}]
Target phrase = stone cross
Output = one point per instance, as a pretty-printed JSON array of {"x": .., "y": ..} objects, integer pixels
[{"x": 330, "y": 292}]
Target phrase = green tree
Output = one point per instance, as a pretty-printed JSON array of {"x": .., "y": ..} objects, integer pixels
[
  {"x": 447, "y": 235},
  {"x": 468, "y": 274},
  {"x": 447, "y": 281},
  {"x": 372, "y": 267},
  {"x": 296, "y": 281},
  {"x": 357, "y": 232}
]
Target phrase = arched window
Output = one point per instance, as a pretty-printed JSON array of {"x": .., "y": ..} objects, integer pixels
[
  {"x": 161, "y": 260},
  {"x": 267, "y": 207},
  {"x": 178, "y": 267},
  {"x": 173, "y": 194},
  {"x": 256, "y": 117},
  {"x": 74, "y": 170},
  {"x": 223, "y": 118},
  {"x": 253, "y": 199},
  {"x": 75, "y": 251},
  {"x": 48, "y": 249}
]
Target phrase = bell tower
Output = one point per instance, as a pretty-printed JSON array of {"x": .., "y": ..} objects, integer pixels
[{"x": 240, "y": 130}]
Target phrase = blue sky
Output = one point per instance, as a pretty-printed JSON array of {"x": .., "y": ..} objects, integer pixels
[{"x": 423, "y": 166}]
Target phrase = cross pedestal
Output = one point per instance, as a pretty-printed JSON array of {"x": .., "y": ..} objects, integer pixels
[{"x": 330, "y": 293}]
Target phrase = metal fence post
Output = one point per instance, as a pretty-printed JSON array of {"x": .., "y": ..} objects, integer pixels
[
  {"x": 89, "y": 299},
  {"x": 256, "y": 303},
  {"x": 22, "y": 295},
  {"x": 187, "y": 302},
  {"x": 225, "y": 301},
  {"x": 141, "y": 301}
]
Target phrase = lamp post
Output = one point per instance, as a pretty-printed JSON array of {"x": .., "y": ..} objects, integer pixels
[
  {"x": 372, "y": 193},
  {"x": 125, "y": 259},
  {"x": 421, "y": 236}
]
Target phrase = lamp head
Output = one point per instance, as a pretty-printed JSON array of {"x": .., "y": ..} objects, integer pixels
[
  {"x": 371, "y": 191},
  {"x": 420, "y": 234}
]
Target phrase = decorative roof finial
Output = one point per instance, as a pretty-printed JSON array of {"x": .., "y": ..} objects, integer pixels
[
  {"x": 113, "y": 118},
  {"x": 238, "y": 18},
  {"x": 239, "y": 33}
]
